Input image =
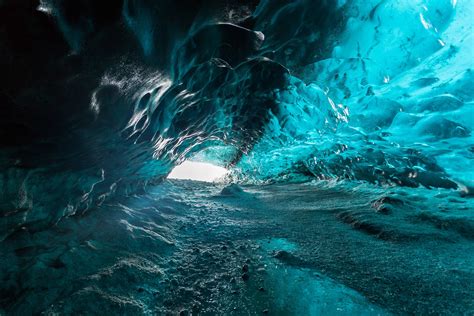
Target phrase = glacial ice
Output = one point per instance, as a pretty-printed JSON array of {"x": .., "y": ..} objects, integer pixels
[
  {"x": 277, "y": 91},
  {"x": 369, "y": 103}
]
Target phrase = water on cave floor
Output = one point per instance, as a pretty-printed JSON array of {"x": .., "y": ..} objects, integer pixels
[{"x": 191, "y": 247}]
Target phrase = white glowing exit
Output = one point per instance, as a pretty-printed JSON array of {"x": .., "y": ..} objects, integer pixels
[{"x": 199, "y": 171}]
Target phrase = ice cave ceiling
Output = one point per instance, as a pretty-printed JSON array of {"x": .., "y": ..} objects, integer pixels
[{"x": 101, "y": 97}]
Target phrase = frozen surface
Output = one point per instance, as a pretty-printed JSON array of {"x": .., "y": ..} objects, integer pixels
[
  {"x": 298, "y": 249},
  {"x": 103, "y": 98},
  {"x": 346, "y": 127}
]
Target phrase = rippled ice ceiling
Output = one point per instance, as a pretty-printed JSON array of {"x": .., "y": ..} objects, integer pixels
[{"x": 102, "y": 98}]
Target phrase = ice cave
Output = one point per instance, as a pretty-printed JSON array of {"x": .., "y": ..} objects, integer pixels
[{"x": 236, "y": 157}]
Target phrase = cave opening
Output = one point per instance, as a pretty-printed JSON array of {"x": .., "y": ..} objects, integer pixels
[{"x": 198, "y": 171}]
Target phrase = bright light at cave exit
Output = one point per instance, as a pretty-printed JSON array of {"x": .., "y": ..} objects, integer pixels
[{"x": 199, "y": 171}]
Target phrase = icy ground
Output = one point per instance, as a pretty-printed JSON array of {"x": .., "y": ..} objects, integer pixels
[{"x": 295, "y": 249}]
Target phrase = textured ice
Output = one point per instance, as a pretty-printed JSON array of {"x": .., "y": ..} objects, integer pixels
[
  {"x": 307, "y": 249},
  {"x": 275, "y": 90},
  {"x": 370, "y": 101}
]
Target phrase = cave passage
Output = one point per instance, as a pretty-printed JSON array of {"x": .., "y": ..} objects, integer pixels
[{"x": 224, "y": 157}]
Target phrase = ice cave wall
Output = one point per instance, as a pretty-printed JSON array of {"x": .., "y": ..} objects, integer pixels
[
  {"x": 103, "y": 98},
  {"x": 401, "y": 71}
]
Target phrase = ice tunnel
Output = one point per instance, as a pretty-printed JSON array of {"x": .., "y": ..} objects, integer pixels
[{"x": 340, "y": 132}]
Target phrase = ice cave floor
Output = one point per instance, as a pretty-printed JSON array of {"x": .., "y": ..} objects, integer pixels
[{"x": 188, "y": 248}]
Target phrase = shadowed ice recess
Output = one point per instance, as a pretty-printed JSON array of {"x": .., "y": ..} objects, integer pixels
[{"x": 341, "y": 133}]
